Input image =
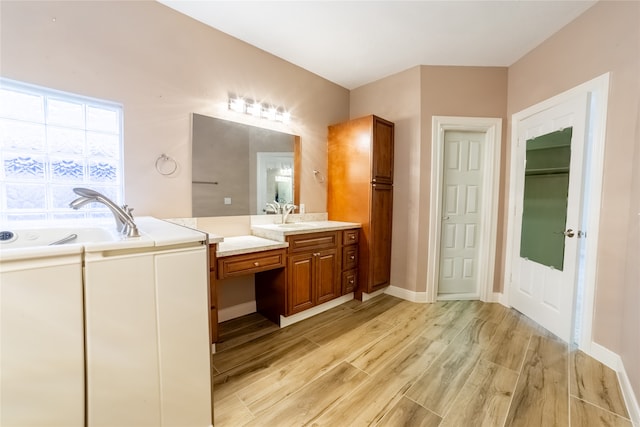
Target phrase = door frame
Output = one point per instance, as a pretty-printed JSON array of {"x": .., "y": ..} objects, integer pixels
[
  {"x": 597, "y": 90},
  {"x": 492, "y": 129}
]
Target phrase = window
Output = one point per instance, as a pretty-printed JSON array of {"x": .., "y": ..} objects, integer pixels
[{"x": 51, "y": 142}]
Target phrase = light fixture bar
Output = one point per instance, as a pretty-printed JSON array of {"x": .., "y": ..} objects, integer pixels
[{"x": 255, "y": 108}]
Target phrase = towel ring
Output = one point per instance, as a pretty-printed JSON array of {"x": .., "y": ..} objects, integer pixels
[{"x": 166, "y": 159}]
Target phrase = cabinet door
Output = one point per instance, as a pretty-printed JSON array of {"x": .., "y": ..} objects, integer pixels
[
  {"x": 300, "y": 283},
  {"x": 382, "y": 152},
  {"x": 380, "y": 244},
  {"x": 326, "y": 276}
]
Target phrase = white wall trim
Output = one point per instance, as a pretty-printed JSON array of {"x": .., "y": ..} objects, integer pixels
[
  {"x": 295, "y": 318},
  {"x": 367, "y": 297},
  {"x": 492, "y": 128},
  {"x": 614, "y": 361},
  {"x": 598, "y": 90},
  {"x": 406, "y": 294},
  {"x": 234, "y": 311}
]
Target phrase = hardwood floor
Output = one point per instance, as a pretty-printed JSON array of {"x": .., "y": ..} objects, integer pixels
[{"x": 390, "y": 362}]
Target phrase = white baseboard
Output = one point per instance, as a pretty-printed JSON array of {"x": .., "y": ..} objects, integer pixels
[
  {"x": 614, "y": 361},
  {"x": 234, "y": 311},
  {"x": 500, "y": 298},
  {"x": 367, "y": 297},
  {"x": 404, "y": 294},
  {"x": 290, "y": 320},
  {"x": 413, "y": 296}
]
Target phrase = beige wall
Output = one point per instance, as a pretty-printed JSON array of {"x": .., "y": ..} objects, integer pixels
[
  {"x": 397, "y": 98},
  {"x": 606, "y": 38},
  {"x": 162, "y": 66},
  {"x": 410, "y": 99}
]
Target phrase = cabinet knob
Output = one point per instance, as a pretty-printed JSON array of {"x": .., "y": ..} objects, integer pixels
[
  {"x": 351, "y": 282},
  {"x": 352, "y": 237},
  {"x": 352, "y": 257},
  {"x": 316, "y": 254},
  {"x": 257, "y": 264}
]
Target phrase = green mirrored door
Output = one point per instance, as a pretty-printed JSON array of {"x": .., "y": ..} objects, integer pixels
[{"x": 546, "y": 190}]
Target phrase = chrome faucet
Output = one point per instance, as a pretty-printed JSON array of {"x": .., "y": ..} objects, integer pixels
[
  {"x": 123, "y": 216},
  {"x": 273, "y": 208},
  {"x": 287, "y": 209}
]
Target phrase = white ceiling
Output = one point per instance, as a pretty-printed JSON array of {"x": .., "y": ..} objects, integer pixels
[{"x": 352, "y": 43}]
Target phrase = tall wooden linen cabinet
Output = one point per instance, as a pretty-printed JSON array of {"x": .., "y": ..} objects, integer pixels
[{"x": 360, "y": 189}]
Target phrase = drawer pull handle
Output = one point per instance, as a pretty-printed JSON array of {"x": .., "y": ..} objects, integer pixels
[{"x": 257, "y": 264}]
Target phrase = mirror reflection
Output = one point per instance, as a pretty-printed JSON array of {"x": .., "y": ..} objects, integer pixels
[
  {"x": 239, "y": 169},
  {"x": 546, "y": 190}
]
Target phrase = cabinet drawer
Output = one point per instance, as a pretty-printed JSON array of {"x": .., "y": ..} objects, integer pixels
[
  {"x": 350, "y": 237},
  {"x": 349, "y": 257},
  {"x": 349, "y": 281},
  {"x": 237, "y": 265},
  {"x": 312, "y": 241}
]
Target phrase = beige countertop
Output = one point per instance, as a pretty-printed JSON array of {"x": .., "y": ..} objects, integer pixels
[
  {"x": 279, "y": 232},
  {"x": 246, "y": 244}
]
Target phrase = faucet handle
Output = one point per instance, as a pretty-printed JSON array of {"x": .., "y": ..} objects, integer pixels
[{"x": 128, "y": 210}]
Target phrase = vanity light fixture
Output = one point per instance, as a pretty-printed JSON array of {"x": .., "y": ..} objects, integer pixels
[
  {"x": 256, "y": 109},
  {"x": 237, "y": 104}
]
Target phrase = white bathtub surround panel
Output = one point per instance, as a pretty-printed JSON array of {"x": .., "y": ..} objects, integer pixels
[
  {"x": 148, "y": 348},
  {"x": 185, "y": 395},
  {"x": 39, "y": 252},
  {"x": 42, "y": 341},
  {"x": 247, "y": 244},
  {"x": 164, "y": 233},
  {"x": 185, "y": 222},
  {"x": 193, "y": 224},
  {"x": 145, "y": 338}
]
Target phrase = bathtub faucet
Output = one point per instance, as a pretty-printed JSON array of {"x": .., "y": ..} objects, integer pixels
[{"x": 122, "y": 215}]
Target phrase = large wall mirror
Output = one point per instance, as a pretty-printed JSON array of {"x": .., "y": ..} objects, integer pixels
[{"x": 237, "y": 168}]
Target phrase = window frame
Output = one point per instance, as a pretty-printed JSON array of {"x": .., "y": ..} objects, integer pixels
[{"x": 53, "y": 210}]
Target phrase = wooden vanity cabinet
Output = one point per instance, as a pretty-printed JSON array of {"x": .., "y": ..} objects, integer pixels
[
  {"x": 213, "y": 298},
  {"x": 350, "y": 239},
  {"x": 240, "y": 265},
  {"x": 313, "y": 270},
  {"x": 320, "y": 267},
  {"x": 360, "y": 189}
]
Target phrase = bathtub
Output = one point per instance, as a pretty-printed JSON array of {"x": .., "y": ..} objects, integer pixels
[{"x": 66, "y": 309}]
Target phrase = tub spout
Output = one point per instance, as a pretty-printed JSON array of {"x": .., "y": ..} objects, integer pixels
[{"x": 123, "y": 216}]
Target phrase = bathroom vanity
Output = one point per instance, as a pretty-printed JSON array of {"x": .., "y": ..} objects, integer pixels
[
  {"x": 300, "y": 269},
  {"x": 106, "y": 330}
]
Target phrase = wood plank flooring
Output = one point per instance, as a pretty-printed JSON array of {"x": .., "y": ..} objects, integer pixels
[{"x": 390, "y": 362}]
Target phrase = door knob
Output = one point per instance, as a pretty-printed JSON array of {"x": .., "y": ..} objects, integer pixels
[{"x": 569, "y": 233}]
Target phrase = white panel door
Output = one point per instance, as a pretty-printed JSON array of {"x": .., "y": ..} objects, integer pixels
[
  {"x": 545, "y": 293},
  {"x": 461, "y": 213}
]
